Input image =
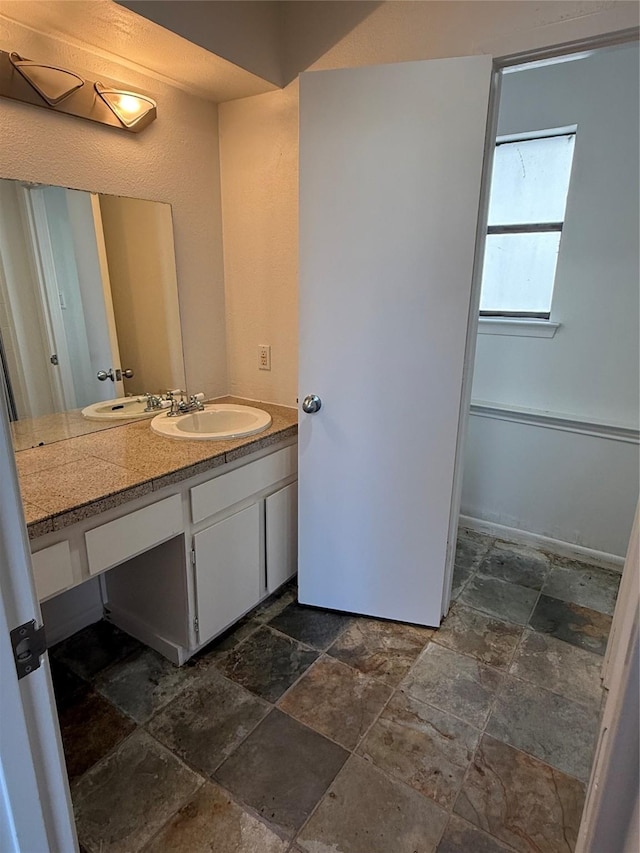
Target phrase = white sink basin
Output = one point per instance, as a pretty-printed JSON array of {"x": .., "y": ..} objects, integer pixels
[
  {"x": 216, "y": 421},
  {"x": 122, "y": 408}
]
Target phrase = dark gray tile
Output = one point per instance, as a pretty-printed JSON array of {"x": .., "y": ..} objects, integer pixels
[
  {"x": 585, "y": 585},
  {"x": 515, "y": 564},
  {"x": 453, "y": 683},
  {"x": 222, "y": 645},
  {"x": 90, "y": 727},
  {"x": 558, "y": 666},
  {"x": 317, "y": 628},
  {"x": 469, "y": 552},
  {"x": 67, "y": 686},
  {"x": 473, "y": 633},
  {"x": 384, "y": 650},
  {"x": 124, "y": 800},
  {"x": 94, "y": 648},
  {"x": 504, "y": 600},
  {"x": 580, "y": 626},
  {"x": 366, "y": 812},
  {"x": 282, "y": 770},
  {"x": 275, "y": 603},
  {"x": 556, "y": 730},
  {"x": 424, "y": 747},
  {"x": 267, "y": 663},
  {"x": 208, "y": 720},
  {"x": 461, "y": 575},
  {"x": 520, "y": 800},
  {"x": 143, "y": 683},
  {"x": 212, "y": 823},
  {"x": 336, "y": 700},
  {"x": 462, "y": 837}
]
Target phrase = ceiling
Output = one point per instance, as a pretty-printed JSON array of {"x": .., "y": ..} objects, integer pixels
[{"x": 121, "y": 35}]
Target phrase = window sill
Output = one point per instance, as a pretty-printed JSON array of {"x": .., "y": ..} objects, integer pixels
[{"x": 518, "y": 326}]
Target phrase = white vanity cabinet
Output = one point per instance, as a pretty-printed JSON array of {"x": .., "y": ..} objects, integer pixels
[
  {"x": 227, "y": 571},
  {"x": 237, "y": 559},
  {"x": 180, "y": 565},
  {"x": 281, "y": 535}
]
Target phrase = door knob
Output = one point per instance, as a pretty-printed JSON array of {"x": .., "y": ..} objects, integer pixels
[
  {"x": 106, "y": 374},
  {"x": 311, "y": 404},
  {"x": 128, "y": 373}
]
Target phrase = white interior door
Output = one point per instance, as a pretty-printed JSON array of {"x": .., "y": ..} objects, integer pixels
[{"x": 390, "y": 172}]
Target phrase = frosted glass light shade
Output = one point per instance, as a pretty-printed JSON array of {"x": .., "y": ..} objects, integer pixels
[
  {"x": 129, "y": 107},
  {"x": 51, "y": 83}
]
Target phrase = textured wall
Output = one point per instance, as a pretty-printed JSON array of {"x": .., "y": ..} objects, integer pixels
[
  {"x": 175, "y": 160},
  {"x": 259, "y": 188}
]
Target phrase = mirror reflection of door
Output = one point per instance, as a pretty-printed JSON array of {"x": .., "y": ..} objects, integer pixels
[
  {"x": 87, "y": 284},
  {"x": 68, "y": 246}
]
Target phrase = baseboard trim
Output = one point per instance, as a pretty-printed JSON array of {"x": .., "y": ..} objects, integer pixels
[{"x": 544, "y": 543}]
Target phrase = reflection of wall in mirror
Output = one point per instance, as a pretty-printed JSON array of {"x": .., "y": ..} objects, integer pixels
[{"x": 140, "y": 255}]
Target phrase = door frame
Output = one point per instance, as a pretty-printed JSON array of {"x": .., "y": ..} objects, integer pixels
[
  {"x": 35, "y": 802},
  {"x": 500, "y": 63}
]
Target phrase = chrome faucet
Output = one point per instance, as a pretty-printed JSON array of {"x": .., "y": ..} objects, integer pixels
[
  {"x": 180, "y": 407},
  {"x": 155, "y": 402}
]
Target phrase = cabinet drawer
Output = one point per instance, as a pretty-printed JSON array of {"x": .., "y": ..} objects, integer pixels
[
  {"x": 134, "y": 533},
  {"x": 52, "y": 570},
  {"x": 228, "y": 489}
]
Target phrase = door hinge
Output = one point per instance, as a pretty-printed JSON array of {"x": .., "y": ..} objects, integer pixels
[
  {"x": 196, "y": 624},
  {"x": 193, "y": 557},
  {"x": 29, "y": 644}
]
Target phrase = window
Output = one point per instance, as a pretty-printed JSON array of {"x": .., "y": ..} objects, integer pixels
[{"x": 526, "y": 213}]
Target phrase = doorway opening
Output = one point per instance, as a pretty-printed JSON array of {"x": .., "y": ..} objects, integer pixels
[{"x": 550, "y": 470}]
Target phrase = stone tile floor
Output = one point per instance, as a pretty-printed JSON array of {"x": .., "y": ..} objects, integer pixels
[{"x": 314, "y": 732}]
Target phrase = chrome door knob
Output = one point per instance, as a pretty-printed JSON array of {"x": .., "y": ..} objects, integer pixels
[
  {"x": 128, "y": 373},
  {"x": 106, "y": 374},
  {"x": 311, "y": 404}
]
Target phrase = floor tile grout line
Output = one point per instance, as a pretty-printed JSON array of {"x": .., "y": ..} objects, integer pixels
[
  {"x": 354, "y": 753},
  {"x": 212, "y": 780},
  {"x": 322, "y": 653}
]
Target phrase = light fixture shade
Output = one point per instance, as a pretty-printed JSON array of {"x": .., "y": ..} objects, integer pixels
[
  {"x": 51, "y": 83},
  {"x": 129, "y": 107}
]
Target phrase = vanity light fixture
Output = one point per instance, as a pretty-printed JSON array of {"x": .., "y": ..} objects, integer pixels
[
  {"x": 129, "y": 107},
  {"x": 64, "y": 91},
  {"x": 53, "y": 84}
]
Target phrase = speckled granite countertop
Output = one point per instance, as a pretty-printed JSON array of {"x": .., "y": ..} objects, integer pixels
[{"x": 72, "y": 479}]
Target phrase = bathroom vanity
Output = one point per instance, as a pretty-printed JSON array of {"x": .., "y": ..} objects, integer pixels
[{"x": 186, "y": 536}]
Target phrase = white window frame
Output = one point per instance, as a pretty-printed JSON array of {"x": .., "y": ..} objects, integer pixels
[{"x": 521, "y": 324}]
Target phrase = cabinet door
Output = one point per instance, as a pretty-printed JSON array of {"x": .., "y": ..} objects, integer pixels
[
  {"x": 227, "y": 571},
  {"x": 281, "y": 536}
]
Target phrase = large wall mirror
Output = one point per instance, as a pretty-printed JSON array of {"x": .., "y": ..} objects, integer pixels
[{"x": 88, "y": 303}]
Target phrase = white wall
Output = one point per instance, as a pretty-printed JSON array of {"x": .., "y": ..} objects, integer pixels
[
  {"x": 566, "y": 485},
  {"x": 175, "y": 160},
  {"x": 259, "y": 145},
  {"x": 590, "y": 368}
]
